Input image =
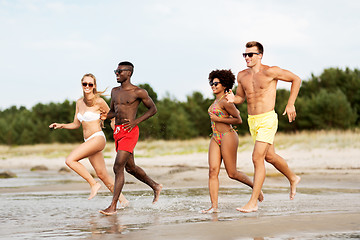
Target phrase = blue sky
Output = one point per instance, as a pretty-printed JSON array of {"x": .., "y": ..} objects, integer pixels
[{"x": 46, "y": 46}]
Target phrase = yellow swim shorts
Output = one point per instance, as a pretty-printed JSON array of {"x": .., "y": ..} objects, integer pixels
[{"x": 263, "y": 126}]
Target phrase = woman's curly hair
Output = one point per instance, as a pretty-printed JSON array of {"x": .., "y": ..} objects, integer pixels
[{"x": 226, "y": 77}]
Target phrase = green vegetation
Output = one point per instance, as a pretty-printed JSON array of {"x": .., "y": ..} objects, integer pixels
[{"x": 325, "y": 102}]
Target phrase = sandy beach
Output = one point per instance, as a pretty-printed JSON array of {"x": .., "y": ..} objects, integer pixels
[{"x": 326, "y": 205}]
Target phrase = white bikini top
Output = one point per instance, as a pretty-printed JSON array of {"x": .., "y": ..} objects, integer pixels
[{"x": 88, "y": 116}]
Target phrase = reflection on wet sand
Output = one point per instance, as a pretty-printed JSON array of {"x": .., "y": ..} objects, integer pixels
[
  {"x": 68, "y": 215},
  {"x": 113, "y": 226}
]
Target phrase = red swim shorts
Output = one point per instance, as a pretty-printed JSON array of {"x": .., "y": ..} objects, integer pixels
[{"x": 125, "y": 140}]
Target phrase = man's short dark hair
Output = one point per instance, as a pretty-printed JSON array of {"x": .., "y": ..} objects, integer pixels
[
  {"x": 129, "y": 64},
  {"x": 256, "y": 44}
]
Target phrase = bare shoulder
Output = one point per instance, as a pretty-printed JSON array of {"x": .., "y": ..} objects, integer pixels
[
  {"x": 242, "y": 73},
  {"x": 272, "y": 71},
  {"x": 115, "y": 90},
  {"x": 226, "y": 104},
  {"x": 101, "y": 103},
  {"x": 140, "y": 92},
  {"x": 100, "y": 100},
  {"x": 79, "y": 103}
]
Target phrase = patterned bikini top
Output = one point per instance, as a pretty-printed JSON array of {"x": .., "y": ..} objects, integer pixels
[
  {"x": 216, "y": 110},
  {"x": 88, "y": 116}
]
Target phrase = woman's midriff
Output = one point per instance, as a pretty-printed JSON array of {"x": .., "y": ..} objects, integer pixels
[
  {"x": 89, "y": 128},
  {"x": 222, "y": 127}
]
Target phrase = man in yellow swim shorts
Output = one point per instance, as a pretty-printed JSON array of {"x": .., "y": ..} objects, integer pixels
[
  {"x": 263, "y": 126},
  {"x": 257, "y": 84}
]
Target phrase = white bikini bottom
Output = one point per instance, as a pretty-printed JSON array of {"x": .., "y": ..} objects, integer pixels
[{"x": 99, "y": 133}]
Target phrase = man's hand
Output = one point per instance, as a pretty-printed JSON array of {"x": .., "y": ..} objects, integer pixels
[
  {"x": 291, "y": 112},
  {"x": 230, "y": 97},
  {"x": 129, "y": 125},
  {"x": 112, "y": 123},
  {"x": 103, "y": 115}
]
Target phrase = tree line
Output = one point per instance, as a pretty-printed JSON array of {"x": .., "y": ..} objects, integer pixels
[{"x": 328, "y": 101}]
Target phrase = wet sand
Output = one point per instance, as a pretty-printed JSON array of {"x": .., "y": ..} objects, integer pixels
[
  {"x": 327, "y": 206},
  {"x": 313, "y": 226},
  {"x": 47, "y": 204}
]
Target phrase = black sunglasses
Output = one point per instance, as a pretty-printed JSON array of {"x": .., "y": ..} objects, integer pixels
[
  {"x": 118, "y": 71},
  {"x": 250, "y": 54},
  {"x": 212, "y": 83},
  {"x": 87, "y": 84}
]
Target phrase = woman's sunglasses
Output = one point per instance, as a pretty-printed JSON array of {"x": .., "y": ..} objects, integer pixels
[
  {"x": 214, "y": 83},
  {"x": 250, "y": 54},
  {"x": 87, "y": 84}
]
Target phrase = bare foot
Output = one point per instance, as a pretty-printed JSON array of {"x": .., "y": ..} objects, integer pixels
[
  {"x": 293, "y": 187},
  {"x": 157, "y": 192},
  {"x": 124, "y": 203},
  {"x": 211, "y": 210},
  {"x": 94, "y": 189},
  {"x": 248, "y": 208},
  {"x": 107, "y": 213},
  {"x": 261, "y": 196},
  {"x": 245, "y": 210}
]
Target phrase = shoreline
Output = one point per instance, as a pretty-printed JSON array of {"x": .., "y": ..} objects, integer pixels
[
  {"x": 329, "y": 180},
  {"x": 330, "y": 176},
  {"x": 191, "y": 170},
  {"x": 329, "y": 221},
  {"x": 299, "y": 160}
]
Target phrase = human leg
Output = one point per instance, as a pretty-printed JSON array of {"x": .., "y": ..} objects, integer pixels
[
  {"x": 141, "y": 175},
  {"x": 214, "y": 159},
  {"x": 98, "y": 163},
  {"x": 120, "y": 161},
  {"x": 126, "y": 141},
  {"x": 229, "y": 145},
  {"x": 280, "y": 164},
  {"x": 258, "y": 157},
  {"x": 84, "y": 150}
]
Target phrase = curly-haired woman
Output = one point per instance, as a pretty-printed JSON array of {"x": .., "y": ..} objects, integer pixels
[{"x": 224, "y": 142}]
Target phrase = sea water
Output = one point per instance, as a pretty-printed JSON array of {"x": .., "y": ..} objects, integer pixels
[{"x": 69, "y": 215}]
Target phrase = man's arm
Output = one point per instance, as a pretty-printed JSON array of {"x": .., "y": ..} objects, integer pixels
[
  {"x": 148, "y": 102},
  {"x": 240, "y": 94},
  {"x": 287, "y": 76},
  {"x": 112, "y": 123},
  {"x": 109, "y": 114}
]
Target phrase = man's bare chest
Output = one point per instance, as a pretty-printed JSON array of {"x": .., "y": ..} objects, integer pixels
[
  {"x": 256, "y": 84},
  {"x": 125, "y": 98}
]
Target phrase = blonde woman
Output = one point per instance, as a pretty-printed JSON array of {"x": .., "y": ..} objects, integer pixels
[{"x": 87, "y": 114}]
